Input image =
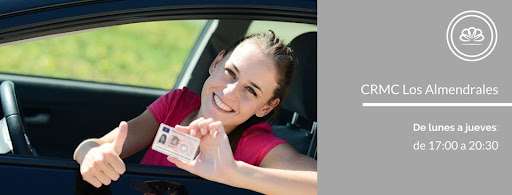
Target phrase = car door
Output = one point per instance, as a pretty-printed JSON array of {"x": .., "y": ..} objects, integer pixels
[{"x": 61, "y": 112}]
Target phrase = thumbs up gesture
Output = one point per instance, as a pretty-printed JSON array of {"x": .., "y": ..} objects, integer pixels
[{"x": 102, "y": 164}]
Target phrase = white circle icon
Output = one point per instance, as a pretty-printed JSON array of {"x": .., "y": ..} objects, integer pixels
[{"x": 471, "y": 36}]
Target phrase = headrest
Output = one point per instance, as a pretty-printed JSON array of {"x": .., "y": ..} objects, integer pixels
[{"x": 302, "y": 95}]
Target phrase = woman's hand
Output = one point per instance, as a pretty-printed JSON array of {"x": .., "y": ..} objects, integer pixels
[
  {"x": 215, "y": 161},
  {"x": 102, "y": 164}
]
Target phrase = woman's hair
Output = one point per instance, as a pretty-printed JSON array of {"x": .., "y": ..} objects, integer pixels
[{"x": 281, "y": 55}]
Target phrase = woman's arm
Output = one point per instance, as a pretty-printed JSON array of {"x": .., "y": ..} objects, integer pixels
[
  {"x": 274, "y": 181},
  {"x": 141, "y": 131},
  {"x": 100, "y": 159},
  {"x": 282, "y": 171}
]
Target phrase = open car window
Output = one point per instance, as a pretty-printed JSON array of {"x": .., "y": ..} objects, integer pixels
[{"x": 154, "y": 54}]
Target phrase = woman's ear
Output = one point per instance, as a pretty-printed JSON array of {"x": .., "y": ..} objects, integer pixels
[
  {"x": 268, "y": 108},
  {"x": 216, "y": 61}
]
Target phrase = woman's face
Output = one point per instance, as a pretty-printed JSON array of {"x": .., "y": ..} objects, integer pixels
[{"x": 240, "y": 85}]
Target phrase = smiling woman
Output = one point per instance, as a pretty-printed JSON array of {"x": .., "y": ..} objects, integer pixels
[
  {"x": 147, "y": 54},
  {"x": 246, "y": 83}
]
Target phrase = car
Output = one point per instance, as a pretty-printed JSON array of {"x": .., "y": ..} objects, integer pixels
[{"x": 46, "y": 114}]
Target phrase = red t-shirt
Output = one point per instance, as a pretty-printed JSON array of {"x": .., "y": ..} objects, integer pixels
[{"x": 174, "y": 106}]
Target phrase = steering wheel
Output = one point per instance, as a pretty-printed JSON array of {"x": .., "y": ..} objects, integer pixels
[{"x": 20, "y": 143}]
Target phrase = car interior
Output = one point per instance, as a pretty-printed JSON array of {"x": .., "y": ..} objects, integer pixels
[{"x": 297, "y": 119}]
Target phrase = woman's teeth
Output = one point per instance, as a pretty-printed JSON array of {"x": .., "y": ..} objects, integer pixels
[{"x": 221, "y": 105}]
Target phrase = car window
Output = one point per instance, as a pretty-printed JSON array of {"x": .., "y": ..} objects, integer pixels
[
  {"x": 285, "y": 30},
  {"x": 149, "y": 54}
]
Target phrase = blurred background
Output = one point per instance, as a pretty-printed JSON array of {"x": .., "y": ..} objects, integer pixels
[{"x": 149, "y": 54}]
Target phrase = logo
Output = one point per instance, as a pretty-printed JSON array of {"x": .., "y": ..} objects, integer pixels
[
  {"x": 471, "y": 36},
  {"x": 165, "y": 129}
]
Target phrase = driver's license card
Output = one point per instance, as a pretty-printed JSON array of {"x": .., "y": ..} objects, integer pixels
[{"x": 174, "y": 143}]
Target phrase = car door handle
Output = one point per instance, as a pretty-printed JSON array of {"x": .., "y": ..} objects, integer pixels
[
  {"x": 159, "y": 187},
  {"x": 39, "y": 118}
]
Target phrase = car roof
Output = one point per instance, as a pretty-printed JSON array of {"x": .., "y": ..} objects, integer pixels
[
  {"x": 34, "y": 18},
  {"x": 13, "y": 7}
]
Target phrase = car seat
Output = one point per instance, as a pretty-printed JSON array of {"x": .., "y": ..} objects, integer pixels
[{"x": 296, "y": 122}]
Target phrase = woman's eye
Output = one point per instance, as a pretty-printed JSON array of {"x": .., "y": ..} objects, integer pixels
[
  {"x": 231, "y": 73},
  {"x": 251, "y": 90}
]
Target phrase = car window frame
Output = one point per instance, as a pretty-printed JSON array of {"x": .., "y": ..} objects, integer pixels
[{"x": 34, "y": 28}]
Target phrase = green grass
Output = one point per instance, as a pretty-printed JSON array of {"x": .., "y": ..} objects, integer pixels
[{"x": 143, "y": 54}]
